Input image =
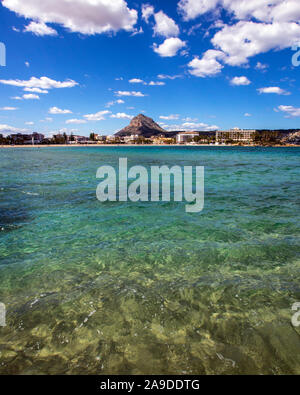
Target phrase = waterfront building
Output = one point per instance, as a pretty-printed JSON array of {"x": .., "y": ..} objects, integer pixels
[{"x": 236, "y": 135}]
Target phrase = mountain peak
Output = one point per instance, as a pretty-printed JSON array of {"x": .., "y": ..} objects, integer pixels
[{"x": 143, "y": 126}]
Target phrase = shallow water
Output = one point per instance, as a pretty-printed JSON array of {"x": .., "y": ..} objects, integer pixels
[{"x": 145, "y": 288}]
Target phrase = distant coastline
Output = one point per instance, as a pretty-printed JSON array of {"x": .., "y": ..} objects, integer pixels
[{"x": 145, "y": 145}]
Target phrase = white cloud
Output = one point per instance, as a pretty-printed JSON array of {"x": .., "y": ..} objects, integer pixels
[
  {"x": 187, "y": 126},
  {"x": 208, "y": 65},
  {"x": 43, "y": 83},
  {"x": 56, "y": 110},
  {"x": 169, "y": 117},
  {"x": 75, "y": 121},
  {"x": 112, "y": 103},
  {"x": 121, "y": 115},
  {"x": 168, "y": 77},
  {"x": 82, "y": 16},
  {"x": 290, "y": 111},
  {"x": 8, "y": 108},
  {"x": 29, "y": 123},
  {"x": 261, "y": 26},
  {"x": 131, "y": 93},
  {"x": 165, "y": 26},
  {"x": 6, "y": 129},
  {"x": 246, "y": 39},
  {"x": 31, "y": 96},
  {"x": 191, "y": 9},
  {"x": 273, "y": 89},
  {"x": 147, "y": 11},
  {"x": 152, "y": 83},
  {"x": 247, "y": 115},
  {"x": 156, "y": 83},
  {"x": 240, "y": 81},
  {"x": 261, "y": 66},
  {"x": 189, "y": 119},
  {"x": 136, "y": 81},
  {"x": 98, "y": 116},
  {"x": 40, "y": 29},
  {"x": 169, "y": 47},
  {"x": 36, "y": 90},
  {"x": 27, "y": 64},
  {"x": 261, "y": 10}
]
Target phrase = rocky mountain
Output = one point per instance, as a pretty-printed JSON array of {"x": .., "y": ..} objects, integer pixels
[{"x": 142, "y": 126}]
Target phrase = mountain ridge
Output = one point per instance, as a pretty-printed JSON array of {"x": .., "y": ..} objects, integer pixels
[{"x": 143, "y": 126}]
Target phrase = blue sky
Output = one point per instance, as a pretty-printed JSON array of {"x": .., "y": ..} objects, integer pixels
[{"x": 189, "y": 64}]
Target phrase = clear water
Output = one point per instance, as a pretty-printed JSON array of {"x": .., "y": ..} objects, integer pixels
[{"x": 145, "y": 288}]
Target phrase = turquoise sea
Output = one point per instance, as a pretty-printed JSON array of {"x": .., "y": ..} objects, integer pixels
[{"x": 146, "y": 288}]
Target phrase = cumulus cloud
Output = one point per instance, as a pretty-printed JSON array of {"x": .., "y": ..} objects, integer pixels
[
  {"x": 112, "y": 103},
  {"x": 169, "y": 47},
  {"x": 191, "y": 9},
  {"x": 169, "y": 117},
  {"x": 191, "y": 126},
  {"x": 75, "y": 121},
  {"x": 240, "y": 81},
  {"x": 130, "y": 93},
  {"x": 121, "y": 115},
  {"x": 40, "y": 29},
  {"x": 31, "y": 96},
  {"x": 261, "y": 10},
  {"x": 6, "y": 129},
  {"x": 56, "y": 110},
  {"x": 147, "y": 11},
  {"x": 164, "y": 25},
  {"x": 157, "y": 83},
  {"x": 151, "y": 83},
  {"x": 289, "y": 111},
  {"x": 136, "y": 81},
  {"x": 168, "y": 77},
  {"x": 246, "y": 39},
  {"x": 256, "y": 26},
  {"x": 261, "y": 66},
  {"x": 273, "y": 89},
  {"x": 98, "y": 116},
  {"x": 43, "y": 83},
  {"x": 86, "y": 17},
  {"x": 36, "y": 90},
  {"x": 207, "y": 66}
]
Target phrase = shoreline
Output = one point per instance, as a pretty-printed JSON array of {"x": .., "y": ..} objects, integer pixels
[{"x": 144, "y": 145}]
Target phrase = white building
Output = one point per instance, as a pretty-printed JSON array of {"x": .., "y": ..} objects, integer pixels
[{"x": 236, "y": 135}]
